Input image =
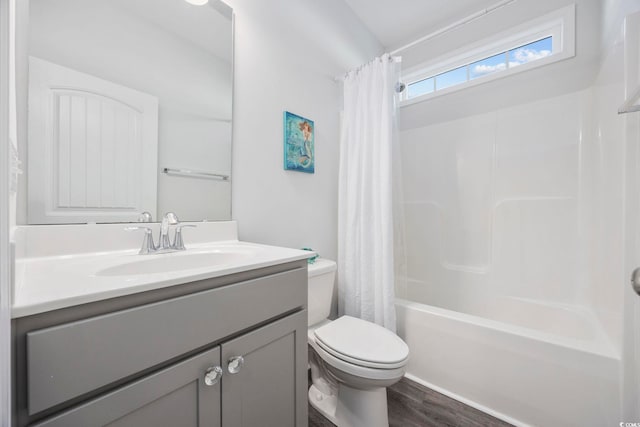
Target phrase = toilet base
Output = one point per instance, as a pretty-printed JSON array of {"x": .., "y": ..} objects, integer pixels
[
  {"x": 353, "y": 408},
  {"x": 323, "y": 403}
]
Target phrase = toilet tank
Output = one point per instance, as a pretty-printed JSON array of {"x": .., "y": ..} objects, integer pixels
[{"x": 322, "y": 275}]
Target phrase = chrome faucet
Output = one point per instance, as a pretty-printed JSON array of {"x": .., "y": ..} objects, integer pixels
[
  {"x": 148, "y": 246},
  {"x": 178, "y": 242},
  {"x": 164, "y": 243},
  {"x": 169, "y": 219}
]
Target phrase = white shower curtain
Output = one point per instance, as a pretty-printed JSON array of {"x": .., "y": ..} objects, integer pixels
[{"x": 368, "y": 150}]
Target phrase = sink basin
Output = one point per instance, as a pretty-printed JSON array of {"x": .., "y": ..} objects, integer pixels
[{"x": 173, "y": 262}]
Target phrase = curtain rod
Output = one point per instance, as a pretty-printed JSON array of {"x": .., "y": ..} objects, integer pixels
[
  {"x": 446, "y": 29},
  {"x": 455, "y": 25},
  {"x": 341, "y": 77}
]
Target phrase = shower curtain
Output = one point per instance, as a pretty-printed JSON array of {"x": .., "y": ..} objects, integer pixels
[{"x": 368, "y": 152}]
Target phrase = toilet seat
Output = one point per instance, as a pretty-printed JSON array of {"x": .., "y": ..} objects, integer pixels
[
  {"x": 361, "y": 343},
  {"x": 384, "y": 375}
]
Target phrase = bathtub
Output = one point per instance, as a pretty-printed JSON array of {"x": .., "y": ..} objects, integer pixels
[{"x": 527, "y": 363}]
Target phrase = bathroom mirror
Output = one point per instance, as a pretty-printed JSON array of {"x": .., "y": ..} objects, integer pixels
[{"x": 129, "y": 110}]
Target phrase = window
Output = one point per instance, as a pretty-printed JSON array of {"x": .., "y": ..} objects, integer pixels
[
  {"x": 451, "y": 78},
  {"x": 487, "y": 66},
  {"x": 421, "y": 87},
  {"x": 545, "y": 40},
  {"x": 502, "y": 61},
  {"x": 530, "y": 52}
]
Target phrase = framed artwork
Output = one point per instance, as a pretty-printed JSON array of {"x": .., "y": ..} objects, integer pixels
[{"x": 299, "y": 143}]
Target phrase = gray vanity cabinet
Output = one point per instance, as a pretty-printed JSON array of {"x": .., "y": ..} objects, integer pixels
[
  {"x": 175, "y": 396},
  {"x": 259, "y": 386},
  {"x": 229, "y": 351},
  {"x": 269, "y": 388}
]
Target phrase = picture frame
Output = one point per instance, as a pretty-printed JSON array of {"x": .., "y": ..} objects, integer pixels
[{"x": 299, "y": 143}]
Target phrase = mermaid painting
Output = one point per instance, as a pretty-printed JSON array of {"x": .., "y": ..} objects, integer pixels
[{"x": 299, "y": 143}]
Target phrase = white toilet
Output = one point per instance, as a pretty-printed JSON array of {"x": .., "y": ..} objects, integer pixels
[{"x": 352, "y": 361}]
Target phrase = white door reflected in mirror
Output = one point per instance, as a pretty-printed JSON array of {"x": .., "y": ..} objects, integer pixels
[{"x": 92, "y": 154}]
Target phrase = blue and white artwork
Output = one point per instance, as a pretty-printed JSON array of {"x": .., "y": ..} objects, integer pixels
[{"x": 299, "y": 142}]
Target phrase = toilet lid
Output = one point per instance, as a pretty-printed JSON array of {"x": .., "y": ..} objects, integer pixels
[{"x": 363, "y": 343}]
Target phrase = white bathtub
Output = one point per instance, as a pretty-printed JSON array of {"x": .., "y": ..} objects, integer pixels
[{"x": 521, "y": 361}]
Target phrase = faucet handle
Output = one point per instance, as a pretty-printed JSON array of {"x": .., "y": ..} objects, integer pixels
[
  {"x": 148, "y": 246},
  {"x": 178, "y": 242},
  {"x": 145, "y": 217}
]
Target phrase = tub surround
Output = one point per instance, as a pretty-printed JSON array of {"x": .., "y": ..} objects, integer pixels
[
  {"x": 513, "y": 264},
  {"x": 62, "y": 266}
]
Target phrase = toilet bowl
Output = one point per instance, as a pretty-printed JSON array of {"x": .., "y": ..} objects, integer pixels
[{"x": 352, "y": 361}]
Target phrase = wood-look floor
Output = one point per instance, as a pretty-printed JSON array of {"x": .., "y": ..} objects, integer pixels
[{"x": 413, "y": 405}]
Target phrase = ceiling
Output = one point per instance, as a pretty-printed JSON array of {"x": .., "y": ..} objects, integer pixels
[{"x": 395, "y": 22}]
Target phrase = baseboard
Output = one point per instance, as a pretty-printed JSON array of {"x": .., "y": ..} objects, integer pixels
[{"x": 467, "y": 402}]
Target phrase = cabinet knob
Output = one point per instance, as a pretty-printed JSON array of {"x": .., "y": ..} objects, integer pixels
[
  {"x": 235, "y": 363},
  {"x": 213, "y": 375}
]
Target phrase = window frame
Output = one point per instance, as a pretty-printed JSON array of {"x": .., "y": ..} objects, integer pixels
[{"x": 560, "y": 25}]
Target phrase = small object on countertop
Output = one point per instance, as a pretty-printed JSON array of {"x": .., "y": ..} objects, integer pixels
[{"x": 313, "y": 258}]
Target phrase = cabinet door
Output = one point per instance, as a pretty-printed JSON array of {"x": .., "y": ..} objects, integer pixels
[
  {"x": 175, "y": 396},
  {"x": 267, "y": 387}
]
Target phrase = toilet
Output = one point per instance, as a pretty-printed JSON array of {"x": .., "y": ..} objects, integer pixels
[{"x": 352, "y": 361}]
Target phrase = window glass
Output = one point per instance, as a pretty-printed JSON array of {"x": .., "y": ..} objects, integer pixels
[
  {"x": 421, "y": 87},
  {"x": 498, "y": 62},
  {"x": 530, "y": 52},
  {"x": 451, "y": 78},
  {"x": 488, "y": 65}
]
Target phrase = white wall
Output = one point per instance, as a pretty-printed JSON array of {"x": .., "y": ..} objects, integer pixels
[
  {"x": 194, "y": 85},
  {"x": 287, "y": 53}
]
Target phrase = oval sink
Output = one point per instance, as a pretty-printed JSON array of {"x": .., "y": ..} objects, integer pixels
[{"x": 167, "y": 263}]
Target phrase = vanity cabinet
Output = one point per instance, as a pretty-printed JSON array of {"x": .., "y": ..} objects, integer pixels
[
  {"x": 175, "y": 396},
  {"x": 229, "y": 351},
  {"x": 263, "y": 391}
]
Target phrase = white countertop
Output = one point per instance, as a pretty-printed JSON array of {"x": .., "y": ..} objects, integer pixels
[{"x": 48, "y": 283}]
